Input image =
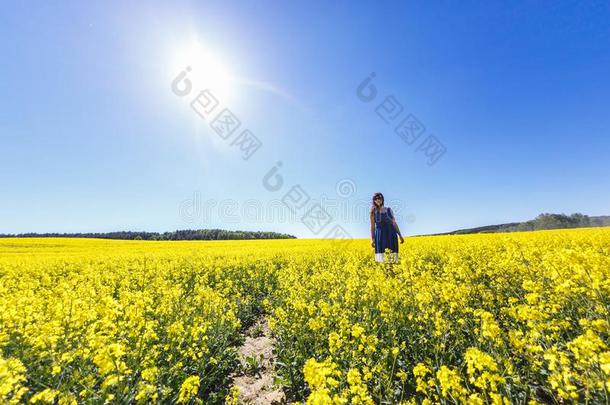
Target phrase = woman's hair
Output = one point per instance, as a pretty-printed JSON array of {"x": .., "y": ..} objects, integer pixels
[{"x": 374, "y": 207}]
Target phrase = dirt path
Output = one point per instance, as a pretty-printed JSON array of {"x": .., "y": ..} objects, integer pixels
[{"x": 255, "y": 380}]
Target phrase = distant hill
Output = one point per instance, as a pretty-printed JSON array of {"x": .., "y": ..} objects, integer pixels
[
  {"x": 541, "y": 222},
  {"x": 187, "y": 234}
]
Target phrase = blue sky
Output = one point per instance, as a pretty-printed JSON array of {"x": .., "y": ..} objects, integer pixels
[{"x": 93, "y": 138}]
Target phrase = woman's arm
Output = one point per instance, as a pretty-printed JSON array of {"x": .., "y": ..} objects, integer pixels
[
  {"x": 372, "y": 216},
  {"x": 396, "y": 226}
]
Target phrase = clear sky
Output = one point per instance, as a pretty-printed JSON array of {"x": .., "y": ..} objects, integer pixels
[{"x": 92, "y": 137}]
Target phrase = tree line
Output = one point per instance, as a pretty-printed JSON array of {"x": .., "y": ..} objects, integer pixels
[
  {"x": 187, "y": 234},
  {"x": 559, "y": 221},
  {"x": 541, "y": 222}
]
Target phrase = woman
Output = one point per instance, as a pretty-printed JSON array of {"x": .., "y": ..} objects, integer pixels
[{"x": 384, "y": 230}]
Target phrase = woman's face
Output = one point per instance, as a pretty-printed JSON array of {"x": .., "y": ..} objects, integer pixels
[{"x": 378, "y": 201}]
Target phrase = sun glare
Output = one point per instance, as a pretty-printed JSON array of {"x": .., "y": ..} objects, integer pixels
[{"x": 207, "y": 70}]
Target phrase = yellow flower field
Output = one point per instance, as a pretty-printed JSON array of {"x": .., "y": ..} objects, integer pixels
[{"x": 498, "y": 318}]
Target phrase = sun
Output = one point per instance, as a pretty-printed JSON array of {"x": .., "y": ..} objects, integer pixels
[{"x": 207, "y": 70}]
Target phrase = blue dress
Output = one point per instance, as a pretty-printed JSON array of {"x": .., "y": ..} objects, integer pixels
[{"x": 386, "y": 236}]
